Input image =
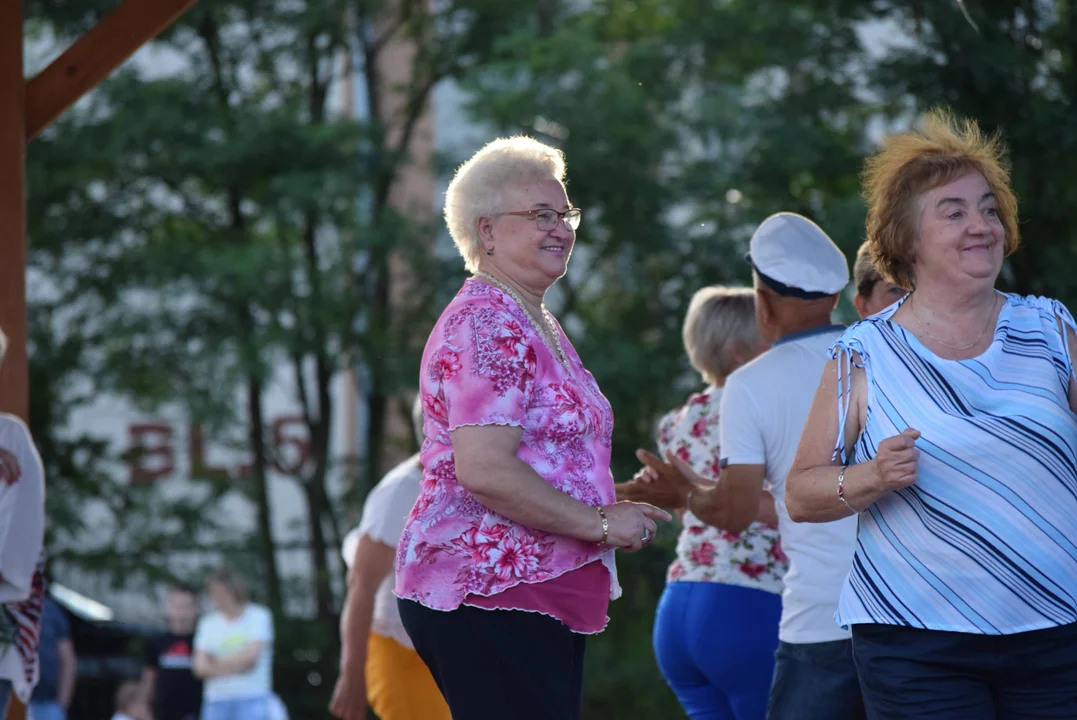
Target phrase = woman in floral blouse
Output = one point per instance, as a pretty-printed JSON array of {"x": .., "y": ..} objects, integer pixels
[
  {"x": 506, "y": 561},
  {"x": 716, "y": 630}
]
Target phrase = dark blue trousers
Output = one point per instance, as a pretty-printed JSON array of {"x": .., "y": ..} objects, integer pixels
[
  {"x": 499, "y": 664},
  {"x": 908, "y": 673},
  {"x": 815, "y": 681}
]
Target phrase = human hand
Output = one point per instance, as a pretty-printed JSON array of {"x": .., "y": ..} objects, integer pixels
[
  {"x": 632, "y": 524},
  {"x": 659, "y": 483},
  {"x": 349, "y": 695},
  {"x": 897, "y": 460}
]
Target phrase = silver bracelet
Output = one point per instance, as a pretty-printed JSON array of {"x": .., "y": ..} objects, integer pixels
[{"x": 841, "y": 491}]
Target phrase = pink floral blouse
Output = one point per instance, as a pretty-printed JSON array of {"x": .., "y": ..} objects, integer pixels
[
  {"x": 754, "y": 558},
  {"x": 485, "y": 365}
]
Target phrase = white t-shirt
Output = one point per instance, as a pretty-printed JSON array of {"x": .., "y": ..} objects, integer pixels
[
  {"x": 277, "y": 710},
  {"x": 384, "y": 515},
  {"x": 22, "y": 509},
  {"x": 763, "y": 410},
  {"x": 221, "y": 637}
]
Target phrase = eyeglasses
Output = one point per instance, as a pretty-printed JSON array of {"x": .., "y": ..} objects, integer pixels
[{"x": 549, "y": 219}]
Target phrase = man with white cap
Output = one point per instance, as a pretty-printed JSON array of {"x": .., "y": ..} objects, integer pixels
[{"x": 798, "y": 273}]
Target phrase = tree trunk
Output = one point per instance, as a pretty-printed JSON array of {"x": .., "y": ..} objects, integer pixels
[{"x": 260, "y": 477}]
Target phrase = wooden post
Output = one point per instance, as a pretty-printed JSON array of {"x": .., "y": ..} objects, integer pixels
[
  {"x": 14, "y": 374},
  {"x": 14, "y": 378}
]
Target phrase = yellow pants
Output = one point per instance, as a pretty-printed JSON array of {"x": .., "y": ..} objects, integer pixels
[{"x": 399, "y": 685}]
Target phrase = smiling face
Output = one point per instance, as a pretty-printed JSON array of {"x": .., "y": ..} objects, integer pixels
[
  {"x": 532, "y": 257},
  {"x": 961, "y": 236}
]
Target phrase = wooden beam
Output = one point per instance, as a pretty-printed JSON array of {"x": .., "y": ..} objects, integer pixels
[
  {"x": 94, "y": 56},
  {"x": 14, "y": 376},
  {"x": 14, "y": 379}
]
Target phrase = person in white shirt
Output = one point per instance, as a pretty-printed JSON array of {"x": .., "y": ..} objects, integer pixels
[
  {"x": 233, "y": 653},
  {"x": 798, "y": 273},
  {"x": 22, "y": 560},
  {"x": 378, "y": 663}
]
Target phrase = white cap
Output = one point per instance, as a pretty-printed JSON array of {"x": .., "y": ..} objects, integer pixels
[{"x": 793, "y": 256}]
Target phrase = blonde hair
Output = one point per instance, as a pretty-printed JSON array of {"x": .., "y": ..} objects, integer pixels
[
  {"x": 477, "y": 188},
  {"x": 227, "y": 578},
  {"x": 910, "y": 164},
  {"x": 719, "y": 321}
]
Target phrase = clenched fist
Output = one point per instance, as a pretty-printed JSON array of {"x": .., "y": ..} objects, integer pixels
[{"x": 897, "y": 460}]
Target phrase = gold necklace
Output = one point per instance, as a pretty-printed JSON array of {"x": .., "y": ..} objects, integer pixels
[
  {"x": 955, "y": 348},
  {"x": 545, "y": 330}
]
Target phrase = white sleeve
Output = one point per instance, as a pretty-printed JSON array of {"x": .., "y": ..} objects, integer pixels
[
  {"x": 22, "y": 512},
  {"x": 741, "y": 429},
  {"x": 200, "y": 633},
  {"x": 264, "y": 629},
  {"x": 387, "y": 508}
]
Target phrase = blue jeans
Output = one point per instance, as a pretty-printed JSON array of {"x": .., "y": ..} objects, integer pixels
[
  {"x": 814, "y": 681},
  {"x": 47, "y": 710},
  {"x": 256, "y": 708},
  {"x": 715, "y": 646},
  {"x": 5, "y": 697}
]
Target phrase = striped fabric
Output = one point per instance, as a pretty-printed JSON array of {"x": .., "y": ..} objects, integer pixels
[{"x": 986, "y": 540}]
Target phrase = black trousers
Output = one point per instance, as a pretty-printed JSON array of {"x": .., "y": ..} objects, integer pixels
[
  {"x": 496, "y": 664},
  {"x": 929, "y": 674}
]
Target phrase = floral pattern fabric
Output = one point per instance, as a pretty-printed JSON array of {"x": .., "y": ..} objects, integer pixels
[
  {"x": 754, "y": 558},
  {"x": 484, "y": 364}
]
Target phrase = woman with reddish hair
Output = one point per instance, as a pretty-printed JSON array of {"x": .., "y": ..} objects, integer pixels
[{"x": 946, "y": 424}]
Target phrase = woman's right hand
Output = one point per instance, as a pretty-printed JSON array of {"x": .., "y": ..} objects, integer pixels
[
  {"x": 896, "y": 461},
  {"x": 349, "y": 695},
  {"x": 629, "y": 522}
]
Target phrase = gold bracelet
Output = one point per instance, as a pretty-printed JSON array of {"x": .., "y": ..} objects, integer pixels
[{"x": 605, "y": 526}]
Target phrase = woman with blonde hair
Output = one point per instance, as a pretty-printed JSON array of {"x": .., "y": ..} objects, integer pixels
[
  {"x": 716, "y": 629},
  {"x": 506, "y": 562},
  {"x": 946, "y": 424}
]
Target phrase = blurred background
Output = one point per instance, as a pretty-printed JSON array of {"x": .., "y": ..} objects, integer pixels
[{"x": 236, "y": 253}]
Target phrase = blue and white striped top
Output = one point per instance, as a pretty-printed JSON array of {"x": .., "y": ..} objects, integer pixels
[{"x": 985, "y": 541}]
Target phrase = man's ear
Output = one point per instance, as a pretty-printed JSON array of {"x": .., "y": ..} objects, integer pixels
[{"x": 764, "y": 311}]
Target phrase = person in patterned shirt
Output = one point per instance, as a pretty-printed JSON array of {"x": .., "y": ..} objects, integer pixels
[
  {"x": 716, "y": 629},
  {"x": 506, "y": 562}
]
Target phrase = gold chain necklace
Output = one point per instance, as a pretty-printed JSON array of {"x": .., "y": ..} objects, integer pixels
[
  {"x": 546, "y": 330},
  {"x": 955, "y": 348}
]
